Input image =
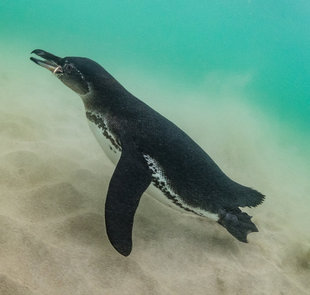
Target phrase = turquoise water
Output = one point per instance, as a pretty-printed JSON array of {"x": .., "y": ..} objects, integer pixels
[
  {"x": 233, "y": 74},
  {"x": 185, "y": 46}
]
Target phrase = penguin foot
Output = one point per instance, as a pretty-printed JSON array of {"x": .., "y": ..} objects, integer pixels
[{"x": 237, "y": 223}]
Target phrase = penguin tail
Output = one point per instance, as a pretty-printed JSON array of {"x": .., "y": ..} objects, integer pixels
[
  {"x": 248, "y": 197},
  {"x": 237, "y": 223}
]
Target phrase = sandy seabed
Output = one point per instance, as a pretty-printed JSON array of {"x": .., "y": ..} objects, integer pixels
[{"x": 53, "y": 183}]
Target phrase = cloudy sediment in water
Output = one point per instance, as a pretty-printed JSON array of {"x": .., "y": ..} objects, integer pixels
[{"x": 234, "y": 77}]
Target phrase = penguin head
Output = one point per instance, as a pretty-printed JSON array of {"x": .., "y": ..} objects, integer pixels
[{"x": 78, "y": 73}]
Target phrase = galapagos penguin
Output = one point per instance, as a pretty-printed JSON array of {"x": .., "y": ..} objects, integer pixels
[{"x": 149, "y": 149}]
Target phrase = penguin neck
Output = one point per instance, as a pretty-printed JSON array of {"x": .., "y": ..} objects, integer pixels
[{"x": 106, "y": 95}]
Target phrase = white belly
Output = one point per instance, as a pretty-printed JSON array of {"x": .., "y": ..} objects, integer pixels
[{"x": 112, "y": 153}]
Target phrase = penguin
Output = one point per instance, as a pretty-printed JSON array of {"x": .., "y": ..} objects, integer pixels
[{"x": 149, "y": 150}]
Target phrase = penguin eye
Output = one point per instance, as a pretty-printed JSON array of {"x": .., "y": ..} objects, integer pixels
[{"x": 68, "y": 68}]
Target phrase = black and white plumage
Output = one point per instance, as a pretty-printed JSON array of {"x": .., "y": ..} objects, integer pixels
[{"x": 149, "y": 149}]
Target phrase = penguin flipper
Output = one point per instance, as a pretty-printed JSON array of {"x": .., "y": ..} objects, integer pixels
[{"x": 130, "y": 179}]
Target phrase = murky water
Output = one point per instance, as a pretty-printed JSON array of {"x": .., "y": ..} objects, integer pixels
[{"x": 235, "y": 77}]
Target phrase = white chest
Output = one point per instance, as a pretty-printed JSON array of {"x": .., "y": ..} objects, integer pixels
[{"x": 100, "y": 128}]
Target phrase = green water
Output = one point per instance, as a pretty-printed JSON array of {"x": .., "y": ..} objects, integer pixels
[
  {"x": 234, "y": 75},
  {"x": 185, "y": 46}
]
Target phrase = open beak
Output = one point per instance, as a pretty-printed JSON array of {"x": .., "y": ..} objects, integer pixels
[{"x": 49, "y": 61}]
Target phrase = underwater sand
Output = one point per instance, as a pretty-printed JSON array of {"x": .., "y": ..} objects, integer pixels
[{"x": 53, "y": 183}]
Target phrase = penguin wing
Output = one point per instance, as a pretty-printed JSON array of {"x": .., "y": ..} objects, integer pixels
[{"x": 130, "y": 179}]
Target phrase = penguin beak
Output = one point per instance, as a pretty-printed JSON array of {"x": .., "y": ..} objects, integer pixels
[{"x": 50, "y": 61}]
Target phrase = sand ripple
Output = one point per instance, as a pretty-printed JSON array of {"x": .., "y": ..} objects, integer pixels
[{"x": 53, "y": 182}]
